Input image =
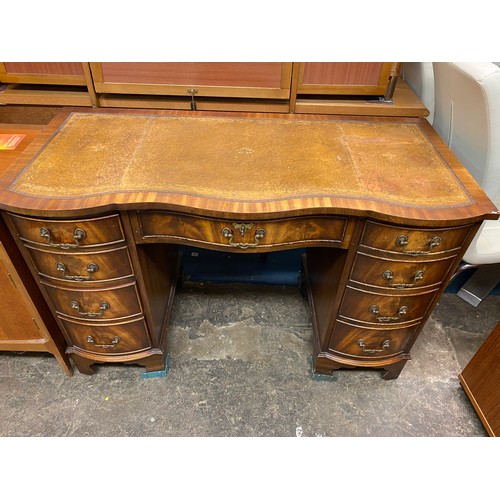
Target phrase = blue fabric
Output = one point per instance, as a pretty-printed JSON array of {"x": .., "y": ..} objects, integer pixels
[{"x": 273, "y": 268}]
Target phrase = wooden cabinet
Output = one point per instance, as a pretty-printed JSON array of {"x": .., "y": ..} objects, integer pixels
[
  {"x": 481, "y": 382},
  {"x": 47, "y": 83},
  {"x": 344, "y": 78},
  {"x": 351, "y": 88},
  {"x": 47, "y": 73},
  {"x": 269, "y": 80},
  {"x": 26, "y": 323},
  {"x": 282, "y": 87},
  {"x": 251, "y": 86}
]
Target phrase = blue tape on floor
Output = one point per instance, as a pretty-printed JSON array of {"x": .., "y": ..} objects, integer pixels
[{"x": 158, "y": 373}]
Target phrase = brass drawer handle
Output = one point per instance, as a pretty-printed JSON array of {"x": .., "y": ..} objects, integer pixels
[
  {"x": 90, "y": 314},
  {"x": 114, "y": 342},
  {"x": 386, "y": 319},
  {"x": 243, "y": 228},
  {"x": 91, "y": 268},
  {"x": 402, "y": 241},
  {"x": 372, "y": 350},
  {"x": 78, "y": 235},
  {"x": 389, "y": 275}
]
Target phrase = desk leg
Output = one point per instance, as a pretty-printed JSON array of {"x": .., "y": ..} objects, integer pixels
[
  {"x": 83, "y": 365},
  {"x": 392, "y": 371},
  {"x": 153, "y": 360}
]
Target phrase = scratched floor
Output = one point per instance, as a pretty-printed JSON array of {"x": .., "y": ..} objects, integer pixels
[{"x": 240, "y": 365}]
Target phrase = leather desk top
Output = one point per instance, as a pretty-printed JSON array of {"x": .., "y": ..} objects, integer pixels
[{"x": 245, "y": 164}]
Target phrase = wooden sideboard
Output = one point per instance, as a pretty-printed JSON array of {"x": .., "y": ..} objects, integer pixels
[
  {"x": 104, "y": 201},
  {"x": 481, "y": 382},
  {"x": 364, "y": 88},
  {"x": 26, "y": 322}
]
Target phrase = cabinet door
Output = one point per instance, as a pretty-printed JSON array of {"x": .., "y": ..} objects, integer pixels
[
  {"x": 48, "y": 73},
  {"x": 22, "y": 327},
  {"x": 17, "y": 320},
  {"x": 481, "y": 382},
  {"x": 343, "y": 78},
  {"x": 270, "y": 80}
]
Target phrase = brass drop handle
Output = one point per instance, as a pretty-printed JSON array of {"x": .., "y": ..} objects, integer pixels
[
  {"x": 78, "y": 235},
  {"x": 372, "y": 350},
  {"x": 389, "y": 275},
  {"x": 402, "y": 241},
  {"x": 91, "y": 269},
  {"x": 114, "y": 342},
  {"x": 103, "y": 306},
  {"x": 242, "y": 228},
  {"x": 374, "y": 309}
]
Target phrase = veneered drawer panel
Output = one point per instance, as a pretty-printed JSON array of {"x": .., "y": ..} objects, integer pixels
[
  {"x": 95, "y": 304},
  {"x": 399, "y": 274},
  {"x": 411, "y": 241},
  {"x": 243, "y": 234},
  {"x": 99, "y": 265},
  {"x": 70, "y": 234},
  {"x": 109, "y": 339},
  {"x": 381, "y": 310},
  {"x": 369, "y": 343}
]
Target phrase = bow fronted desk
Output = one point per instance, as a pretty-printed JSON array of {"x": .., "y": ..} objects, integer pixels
[{"x": 104, "y": 200}]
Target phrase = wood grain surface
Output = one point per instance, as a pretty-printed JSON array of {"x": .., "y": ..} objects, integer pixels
[{"x": 260, "y": 165}]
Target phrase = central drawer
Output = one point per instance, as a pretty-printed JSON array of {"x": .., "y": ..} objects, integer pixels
[{"x": 242, "y": 234}]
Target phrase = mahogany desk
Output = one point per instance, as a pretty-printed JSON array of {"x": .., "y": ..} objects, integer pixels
[{"x": 103, "y": 200}]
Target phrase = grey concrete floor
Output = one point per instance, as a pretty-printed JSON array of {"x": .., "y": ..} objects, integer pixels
[{"x": 240, "y": 365}]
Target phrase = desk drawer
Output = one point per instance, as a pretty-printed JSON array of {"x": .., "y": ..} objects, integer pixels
[
  {"x": 378, "y": 309},
  {"x": 365, "y": 343},
  {"x": 119, "y": 338},
  {"x": 70, "y": 234},
  {"x": 399, "y": 274},
  {"x": 239, "y": 234},
  {"x": 411, "y": 241},
  {"x": 95, "y": 304},
  {"x": 99, "y": 265}
]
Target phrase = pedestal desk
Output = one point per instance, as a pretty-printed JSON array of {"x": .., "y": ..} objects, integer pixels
[{"x": 104, "y": 200}]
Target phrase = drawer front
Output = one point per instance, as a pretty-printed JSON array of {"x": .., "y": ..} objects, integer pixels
[
  {"x": 108, "y": 339},
  {"x": 95, "y": 304},
  {"x": 243, "y": 234},
  {"x": 80, "y": 266},
  {"x": 369, "y": 343},
  {"x": 70, "y": 234},
  {"x": 399, "y": 274},
  {"x": 413, "y": 242},
  {"x": 377, "y": 309}
]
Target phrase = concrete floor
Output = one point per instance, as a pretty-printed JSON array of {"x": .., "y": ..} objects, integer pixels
[{"x": 241, "y": 366}]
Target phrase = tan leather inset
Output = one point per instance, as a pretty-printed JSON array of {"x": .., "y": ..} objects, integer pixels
[{"x": 244, "y": 160}]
